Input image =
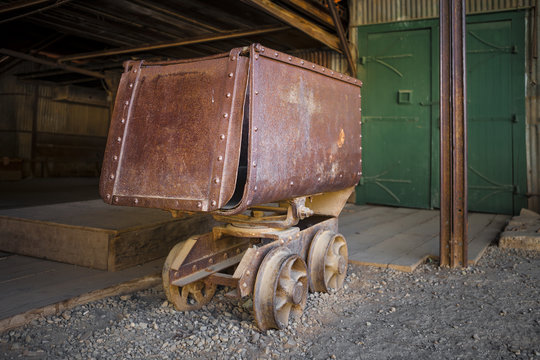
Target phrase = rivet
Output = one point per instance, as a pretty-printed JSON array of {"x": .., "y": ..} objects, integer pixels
[
  {"x": 210, "y": 261},
  {"x": 360, "y": 161},
  {"x": 359, "y": 173},
  {"x": 228, "y": 95},
  {"x": 194, "y": 268},
  {"x": 136, "y": 201},
  {"x": 256, "y": 56},
  {"x": 313, "y": 66},
  {"x": 292, "y": 183},
  {"x": 359, "y": 95},
  {"x": 290, "y": 238},
  {"x": 225, "y": 255},
  {"x": 222, "y": 136},
  {"x": 282, "y": 241},
  {"x": 255, "y": 188},
  {"x": 298, "y": 235},
  {"x": 130, "y": 85},
  {"x": 213, "y": 203},
  {"x": 248, "y": 272},
  {"x": 359, "y": 109},
  {"x": 219, "y": 158},
  {"x": 231, "y": 75},
  {"x": 244, "y": 285},
  {"x": 355, "y": 81},
  {"x": 127, "y": 102},
  {"x": 319, "y": 179},
  {"x": 216, "y": 180},
  {"x": 302, "y": 62},
  {"x": 290, "y": 58},
  {"x": 112, "y": 176},
  {"x": 341, "y": 76},
  {"x": 115, "y": 157},
  {"x": 254, "y": 164},
  {"x": 238, "y": 251},
  {"x": 199, "y": 204},
  {"x": 116, "y": 199},
  {"x": 134, "y": 70},
  {"x": 255, "y": 129},
  {"x": 323, "y": 69},
  {"x": 360, "y": 136},
  {"x": 256, "y": 92},
  {"x": 233, "y": 58},
  {"x": 348, "y": 78},
  {"x": 119, "y": 139},
  {"x": 262, "y": 50},
  {"x": 276, "y": 54},
  {"x": 123, "y": 121},
  {"x": 108, "y": 196},
  {"x": 331, "y": 72},
  {"x": 257, "y": 253},
  {"x": 225, "y": 115},
  {"x": 340, "y": 175}
]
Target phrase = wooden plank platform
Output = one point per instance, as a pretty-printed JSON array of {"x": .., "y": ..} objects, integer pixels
[
  {"x": 402, "y": 239},
  {"x": 31, "y": 287},
  {"x": 94, "y": 234}
]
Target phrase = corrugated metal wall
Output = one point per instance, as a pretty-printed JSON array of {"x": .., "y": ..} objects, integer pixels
[
  {"x": 327, "y": 58},
  {"x": 69, "y": 136},
  {"x": 364, "y": 12}
]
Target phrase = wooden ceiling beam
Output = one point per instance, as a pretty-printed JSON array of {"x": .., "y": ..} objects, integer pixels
[
  {"x": 192, "y": 41},
  {"x": 298, "y": 22},
  {"x": 314, "y": 11},
  {"x": 16, "y": 5},
  {"x": 37, "y": 60}
]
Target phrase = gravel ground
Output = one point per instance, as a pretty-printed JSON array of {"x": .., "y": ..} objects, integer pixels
[{"x": 491, "y": 311}]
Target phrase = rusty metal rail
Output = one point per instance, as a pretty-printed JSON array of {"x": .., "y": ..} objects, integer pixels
[{"x": 453, "y": 136}]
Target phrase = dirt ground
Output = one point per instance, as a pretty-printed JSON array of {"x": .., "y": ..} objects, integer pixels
[{"x": 491, "y": 311}]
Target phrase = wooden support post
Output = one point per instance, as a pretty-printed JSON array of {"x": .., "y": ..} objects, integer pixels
[{"x": 453, "y": 134}]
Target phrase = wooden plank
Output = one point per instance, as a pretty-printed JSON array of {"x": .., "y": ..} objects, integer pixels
[
  {"x": 387, "y": 229},
  {"x": 298, "y": 22},
  {"x": 485, "y": 237},
  {"x": 59, "y": 307},
  {"x": 60, "y": 282},
  {"x": 130, "y": 248},
  {"x": 85, "y": 247}
]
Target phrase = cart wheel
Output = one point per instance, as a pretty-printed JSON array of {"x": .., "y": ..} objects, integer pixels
[
  {"x": 327, "y": 259},
  {"x": 280, "y": 289},
  {"x": 191, "y": 296}
]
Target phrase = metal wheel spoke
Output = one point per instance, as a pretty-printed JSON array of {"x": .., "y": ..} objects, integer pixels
[
  {"x": 283, "y": 313},
  {"x": 281, "y": 301},
  {"x": 198, "y": 295},
  {"x": 332, "y": 262},
  {"x": 327, "y": 276},
  {"x": 333, "y": 281}
]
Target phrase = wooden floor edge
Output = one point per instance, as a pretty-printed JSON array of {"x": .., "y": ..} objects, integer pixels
[{"x": 120, "y": 289}]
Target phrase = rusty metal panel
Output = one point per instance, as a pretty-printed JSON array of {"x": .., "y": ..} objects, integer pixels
[
  {"x": 175, "y": 134},
  {"x": 304, "y": 134}
]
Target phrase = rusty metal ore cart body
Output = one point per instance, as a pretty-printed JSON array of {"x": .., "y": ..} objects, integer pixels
[{"x": 269, "y": 144}]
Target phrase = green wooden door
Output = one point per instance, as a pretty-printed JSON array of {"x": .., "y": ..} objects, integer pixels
[
  {"x": 492, "y": 116},
  {"x": 396, "y": 126},
  {"x": 398, "y": 169}
]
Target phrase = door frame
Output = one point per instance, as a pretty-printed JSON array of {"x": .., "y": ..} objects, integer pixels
[{"x": 518, "y": 90}]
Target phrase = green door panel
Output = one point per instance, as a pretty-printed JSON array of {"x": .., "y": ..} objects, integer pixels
[
  {"x": 399, "y": 67},
  {"x": 489, "y": 110},
  {"x": 394, "y": 122}
]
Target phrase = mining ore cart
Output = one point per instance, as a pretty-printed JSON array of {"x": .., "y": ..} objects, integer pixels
[{"x": 269, "y": 144}]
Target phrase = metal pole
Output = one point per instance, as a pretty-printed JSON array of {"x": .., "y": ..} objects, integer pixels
[
  {"x": 453, "y": 136},
  {"x": 342, "y": 38}
]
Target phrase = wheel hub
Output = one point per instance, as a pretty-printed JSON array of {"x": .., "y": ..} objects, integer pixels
[
  {"x": 297, "y": 293},
  {"x": 342, "y": 265}
]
